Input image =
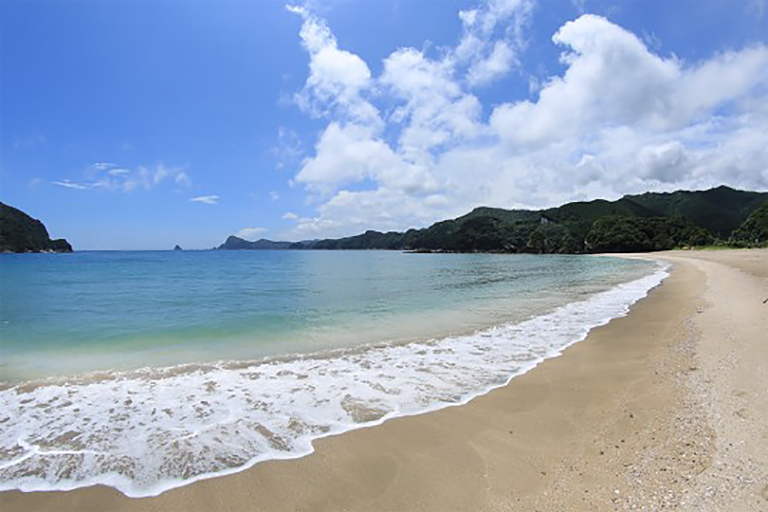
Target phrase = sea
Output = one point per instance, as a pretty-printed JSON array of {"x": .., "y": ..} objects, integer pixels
[{"x": 146, "y": 371}]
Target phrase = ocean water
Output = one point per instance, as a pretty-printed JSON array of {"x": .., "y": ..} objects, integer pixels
[{"x": 146, "y": 371}]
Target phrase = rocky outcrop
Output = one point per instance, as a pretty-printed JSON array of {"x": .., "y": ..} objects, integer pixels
[{"x": 21, "y": 233}]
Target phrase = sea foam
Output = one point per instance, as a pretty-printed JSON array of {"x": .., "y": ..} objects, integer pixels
[{"x": 147, "y": 431}]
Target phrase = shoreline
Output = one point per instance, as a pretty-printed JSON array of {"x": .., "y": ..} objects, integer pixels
[
  {"x": 566, "y": 435},
  {"x": 229, "y": 418},
  {"x": 153, "y": 349}
]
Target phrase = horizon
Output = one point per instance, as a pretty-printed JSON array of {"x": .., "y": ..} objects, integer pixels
[
  {"x": 142, "y": 126},
  {"x": 216, "y": 247}
]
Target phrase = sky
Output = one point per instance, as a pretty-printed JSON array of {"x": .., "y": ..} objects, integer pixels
[{"x": 146, "y": 124}]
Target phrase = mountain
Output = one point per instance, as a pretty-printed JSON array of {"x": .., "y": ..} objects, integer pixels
[
  {"x": 645, "y": 222},
  {"x": 21, "y": 233},
  {"x": 236, "y": 243},
  {"x": 719, "y": 210}
]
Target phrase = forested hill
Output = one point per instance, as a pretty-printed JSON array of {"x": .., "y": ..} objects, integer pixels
[
  {"x": 645, "y": 222},
  {"x": 234, "y": 242},
  {"x": 21, "y": 233}
]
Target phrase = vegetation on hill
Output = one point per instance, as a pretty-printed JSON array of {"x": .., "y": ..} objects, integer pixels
[
  {"x": 646, "y": 222},
  {"x": 21, "y": 233},
  {"x": 719, "y": 210},
  {"x": 234, "y": 242},
  {"x": 754, "y": 231},
  {"x": 637, "y": 234}
]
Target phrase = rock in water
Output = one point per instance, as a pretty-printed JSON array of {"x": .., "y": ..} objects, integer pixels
[{"x": 177, "y": 248}]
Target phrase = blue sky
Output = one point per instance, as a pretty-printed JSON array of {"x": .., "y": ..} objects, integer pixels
[{"x": 141, "y": 125}]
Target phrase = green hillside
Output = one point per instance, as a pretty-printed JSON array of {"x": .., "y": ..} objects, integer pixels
[
  {"x": 645, "y": 222},
  {"x": 754, "y": 230},
  {"x": 236, "y": 243},
  {"x": 719, "y": 210}
]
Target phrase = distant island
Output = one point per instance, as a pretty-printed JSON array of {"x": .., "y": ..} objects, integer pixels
[
  {"x": 635, "y": 223},
  {"x": 21, "y": 233}
]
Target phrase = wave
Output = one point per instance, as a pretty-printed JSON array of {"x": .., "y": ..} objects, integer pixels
[{"x": 147, "y": 431}]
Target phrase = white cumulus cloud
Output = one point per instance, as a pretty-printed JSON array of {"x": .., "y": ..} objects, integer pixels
[
  {"x": 337, "y": 78},
  {"x": 412, "y": 145},
  {"x": 492, "y": 38}
]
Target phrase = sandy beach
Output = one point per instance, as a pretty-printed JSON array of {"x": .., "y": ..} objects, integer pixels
[{"x": 666, "y": 408}]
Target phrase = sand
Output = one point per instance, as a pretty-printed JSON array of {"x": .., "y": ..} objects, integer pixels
[{"x": 666, "y": 408}]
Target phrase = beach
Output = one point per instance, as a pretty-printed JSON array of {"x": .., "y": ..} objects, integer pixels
[{"x": 663, "y": 408}]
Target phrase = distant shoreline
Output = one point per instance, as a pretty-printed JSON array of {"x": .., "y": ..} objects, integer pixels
[{"x": 635, "y": 223}]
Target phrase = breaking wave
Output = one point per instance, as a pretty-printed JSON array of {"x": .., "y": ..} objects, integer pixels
[{"x": 146, "y": 431}]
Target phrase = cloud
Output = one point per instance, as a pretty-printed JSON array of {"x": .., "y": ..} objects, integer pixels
[
  {"x": 435, "y": 110},
  {"x": 337, "y": 78},
  {"x": 492, "y": 37},
  {"x": 250, "y": 233},
  {"x": 619, "y": 118},
  {"x": 290, "y": 216},
  {"x": 288, "y": 150},
  {"x": 69, "y": 184},
  {"x": 354, "y": 212},
  {"x": 182, "y": 179},
  {"x": 212, "y": 199},
  {"x": 110, "y": 176},
  {"x": 274, "y": 195},
  {"x": 352, "y": 153},
  {"x": 613, "y": 78},
  {"x": 497, "y": 64},
  {"x": 101, "y": 166}
]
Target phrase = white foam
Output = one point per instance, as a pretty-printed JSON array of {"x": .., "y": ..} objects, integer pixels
[{"x": 151, "y": 430}]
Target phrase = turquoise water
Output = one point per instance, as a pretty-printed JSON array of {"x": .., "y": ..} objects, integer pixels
[
  {"x": 150, "y": 370},
  {"x": 131, "y": 309}
]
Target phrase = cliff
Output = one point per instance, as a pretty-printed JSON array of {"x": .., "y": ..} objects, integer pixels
[{"x": 21, "y": 233}]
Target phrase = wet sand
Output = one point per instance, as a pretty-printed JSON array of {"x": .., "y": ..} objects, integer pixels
[{"x": 664, "y": 408}]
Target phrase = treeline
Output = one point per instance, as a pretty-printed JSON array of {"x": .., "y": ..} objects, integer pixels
[
  {"x": 754, "y": 231},
  {"x": 646, "y": 222},
  {"x": 489, "y": 234}
]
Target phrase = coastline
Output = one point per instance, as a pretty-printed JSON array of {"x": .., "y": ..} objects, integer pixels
[{"x": 637, "y": 414}]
